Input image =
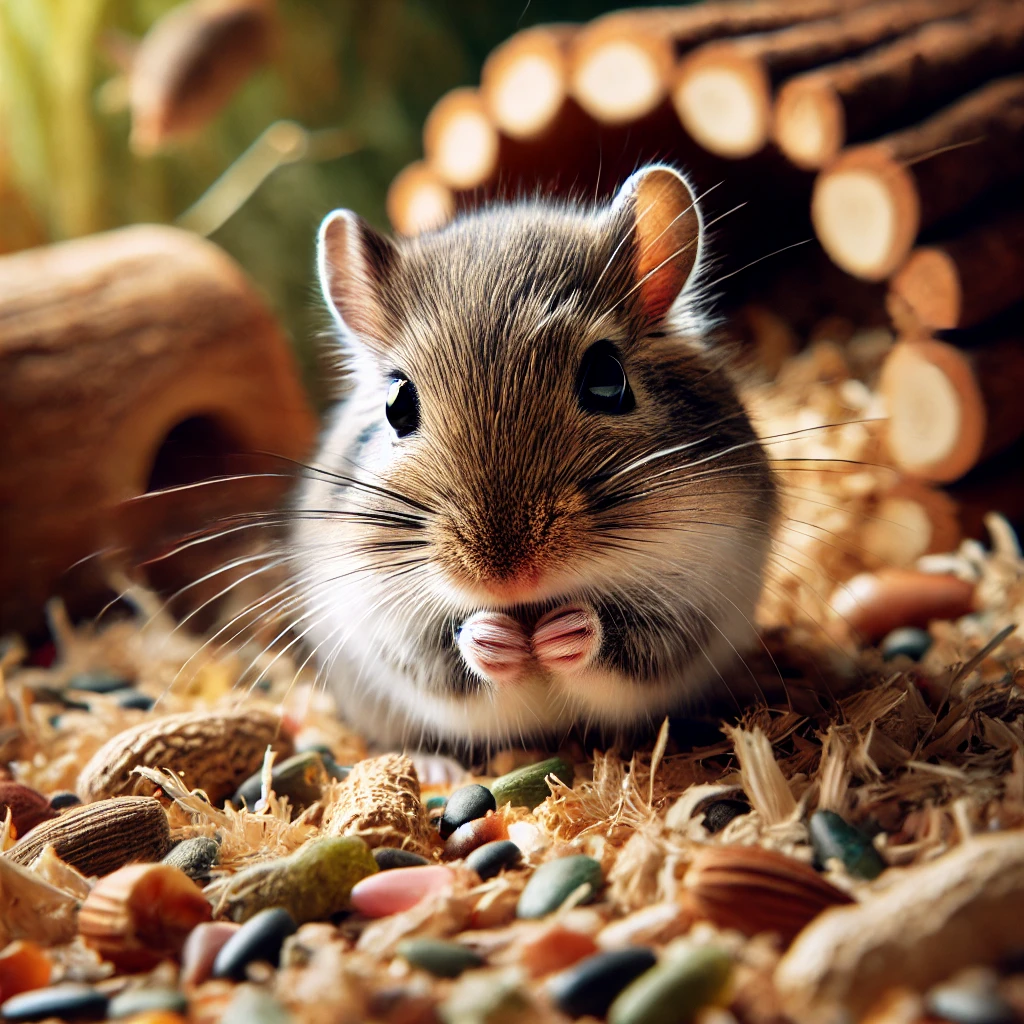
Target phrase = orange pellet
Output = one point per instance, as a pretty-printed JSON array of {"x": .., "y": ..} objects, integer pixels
[{"x": 23, "y": 966}]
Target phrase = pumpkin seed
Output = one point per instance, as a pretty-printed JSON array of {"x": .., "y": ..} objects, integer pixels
[
  {"x": 527, "y": 786},
  {"x": 440, "y": 958},
  {"x": 831, "y": 836},
  {"x": 552, "y": 884},
  {"x": 675, "y": 990}
]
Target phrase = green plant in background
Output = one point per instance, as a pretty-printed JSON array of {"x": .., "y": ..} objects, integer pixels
[{"x": 361, "y": 74}]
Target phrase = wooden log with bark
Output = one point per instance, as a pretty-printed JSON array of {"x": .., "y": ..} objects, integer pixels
[
  {"x": 724, "y": 91},
  {"x": 870, "y": 204},
  {"x": 963, "y": 281},
  {"x": 818, "y": 113},
  {"x": 621, "y": 65},
  {"x": 131, "y": 361},
  {"x": 949, "y": 407}
]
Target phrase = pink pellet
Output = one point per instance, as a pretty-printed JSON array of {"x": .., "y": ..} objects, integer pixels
[
  {"x": 201, "y": 949},
  {"x": 391, "y": 892}
]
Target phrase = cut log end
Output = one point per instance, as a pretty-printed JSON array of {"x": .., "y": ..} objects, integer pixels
[
  {"x": 929, "y": 287},
  {"x": 937, "y": 417},
  {"x": 523, "y": 84},
  {"x": 724, "y": 102},
  {"x": 809, "y": 123},
  {"x": 866, "y": 213},
  {"x": 912, "y": 520},
  {"x": 460, "y": 142},
  {"x": 419, "y": 201},
  {"x": 619, "y": 80}
]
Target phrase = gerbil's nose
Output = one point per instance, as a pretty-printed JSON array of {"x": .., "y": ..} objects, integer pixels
[{"x": 502, "y": 553}]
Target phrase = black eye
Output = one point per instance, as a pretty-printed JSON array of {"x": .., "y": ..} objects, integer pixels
[
  {"x": 603, "y": 386},
  {"x": 402, "y": 407}
]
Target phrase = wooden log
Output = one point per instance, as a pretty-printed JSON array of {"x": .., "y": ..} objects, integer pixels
[
  {"x": 996, "y": 485},
  {"x": 129, "y": 361},
  {"x": 524, "y": 82},
  {"x": 963, "y": 281},
  {"x": 870, "y": 204},
  {"x": 418, "y": 200},
  {"x": 817, "y": 114},
  {"x": 950, "y": 408},
  {"x": 621, "y": 65},
  {"x": 723, "y": 91},
  {"x": 460, "y": 142},
  {"x": 908, "y": 521}
]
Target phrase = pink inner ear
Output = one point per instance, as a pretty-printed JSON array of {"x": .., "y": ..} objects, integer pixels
[
  {"x": 354, "y": 260},
  {"x": 667, "y": 235}
]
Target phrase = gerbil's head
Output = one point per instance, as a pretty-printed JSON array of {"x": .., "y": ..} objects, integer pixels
[{"x": 536, "y": 389}]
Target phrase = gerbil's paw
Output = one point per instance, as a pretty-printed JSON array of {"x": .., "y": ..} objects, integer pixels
[
  {"x": 494, "y": 646},
  {"x": 437, "y": 770},
  {"x": 567, "y": 638}
]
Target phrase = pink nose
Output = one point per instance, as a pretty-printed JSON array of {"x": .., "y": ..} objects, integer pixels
[
  {"x": 494, "y": 646},
  {"x": 566, "y": 638}
]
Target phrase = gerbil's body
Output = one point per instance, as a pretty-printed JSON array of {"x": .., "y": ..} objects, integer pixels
[{"x": 543, "y": 504}]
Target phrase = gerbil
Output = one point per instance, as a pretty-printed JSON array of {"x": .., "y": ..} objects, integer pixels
[{"x": 542, "y": 506}]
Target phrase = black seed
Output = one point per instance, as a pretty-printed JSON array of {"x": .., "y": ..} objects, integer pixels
[
  {"x": 388, "y": 857},
  {"x": 831, "y": 836},
  {"x": 914, "y": 643},
  {"x": 98, "y": 681},
  {"x": 69, "y": 1002},
  {"x": 64, "y": 798},
  {"x": 194, "y": 856},
  {"x": 466, "y": 804},
  {"x": 489, "y": 859},
  {"x": 260, "y": 938},
  {"x": 143, "y": 1000},
  {"x": 591, "y": 986},
  {"x": 132, "y": 699},
  {"x": 721, "y": 812},
  {"x": 969, "y": 1004}
]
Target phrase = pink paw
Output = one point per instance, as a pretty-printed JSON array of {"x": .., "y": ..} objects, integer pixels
[
  {"x": 566, "y": 638},
  {"x": 494, "y": 646}
]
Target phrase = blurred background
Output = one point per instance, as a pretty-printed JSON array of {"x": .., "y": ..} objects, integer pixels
[{"x": 363, "y": 74}]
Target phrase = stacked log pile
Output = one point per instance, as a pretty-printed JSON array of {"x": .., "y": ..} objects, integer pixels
[{"x": 891, "y": 132}]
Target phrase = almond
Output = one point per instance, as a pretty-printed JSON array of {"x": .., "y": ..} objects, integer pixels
[
  {"x": 101, "y": 837},
  {"x": 755, "y": 890},
  {"x": 142, "y": 914},
  {"x": 27, "y": 807},
  {"x": 214, "y": 751}
]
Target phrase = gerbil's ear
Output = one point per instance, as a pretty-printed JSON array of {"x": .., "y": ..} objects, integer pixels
[
  {"x": 666, "y": 235},
  {"x": 355, "y": 263}
]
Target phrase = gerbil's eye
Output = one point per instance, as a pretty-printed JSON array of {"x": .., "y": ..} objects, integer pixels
[
  {"x": 603, "y": 386},
  {"x": 402, "y": 407}
]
